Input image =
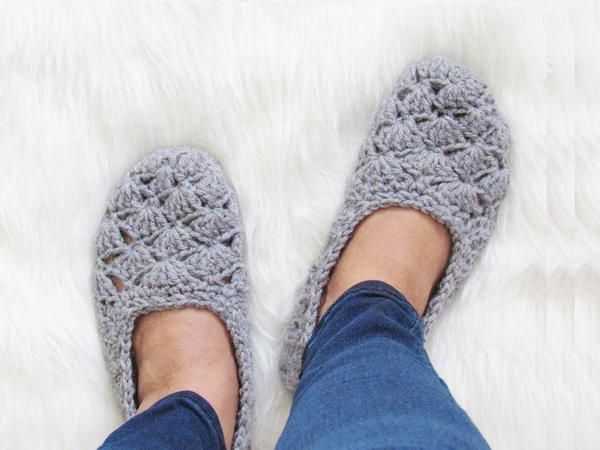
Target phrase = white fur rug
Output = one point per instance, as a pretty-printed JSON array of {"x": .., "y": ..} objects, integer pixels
[{"x": 282, "y": 94}]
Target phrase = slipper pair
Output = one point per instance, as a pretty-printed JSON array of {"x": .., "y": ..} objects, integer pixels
[{"x": 172, "y": 235}]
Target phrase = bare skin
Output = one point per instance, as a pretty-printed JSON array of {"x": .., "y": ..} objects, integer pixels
[
  {"x": 187, "y": 350},
  {"x": 400, "y": 246}
]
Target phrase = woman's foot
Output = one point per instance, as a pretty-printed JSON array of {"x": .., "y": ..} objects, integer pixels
[
  {"x": 402, "y": 247},
  {"x": 171, "y": 288},
  {"x": 437, "y": 146},
  {"x": 187, "y": 350}
]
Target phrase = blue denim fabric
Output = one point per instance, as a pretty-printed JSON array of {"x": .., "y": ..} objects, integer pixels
[
  {"x": 367, "y": 382},
  {"x": 180, "y": 421}
]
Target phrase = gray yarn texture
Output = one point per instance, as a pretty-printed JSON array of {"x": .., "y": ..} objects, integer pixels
[
  {"x": 172, "y": 234},
  {"x": 437, "y": 145}
]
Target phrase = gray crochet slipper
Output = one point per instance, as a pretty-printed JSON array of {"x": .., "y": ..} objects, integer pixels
[
  {"x": 171, "y": 238},
  {"x": 438, "y": 145}
]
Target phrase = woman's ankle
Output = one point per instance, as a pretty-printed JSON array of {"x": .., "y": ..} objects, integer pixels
[
  {"x": 187, "y": 350},
  {"x": 400, "y": 246}
]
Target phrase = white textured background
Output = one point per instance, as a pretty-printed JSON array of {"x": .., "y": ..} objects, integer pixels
[{"x": 282, "y": 94}]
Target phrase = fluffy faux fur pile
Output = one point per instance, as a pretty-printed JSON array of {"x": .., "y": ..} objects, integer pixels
[{"x": 282, "y": 94}]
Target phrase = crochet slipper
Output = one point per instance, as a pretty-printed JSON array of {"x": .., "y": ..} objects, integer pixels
[
  {"x": 171, "y": 238},
  {"x": 437, "y": 145}
]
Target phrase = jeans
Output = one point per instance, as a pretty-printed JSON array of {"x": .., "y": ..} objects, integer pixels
[
  {"x": 367, "y": 383},
  {"x": 183, "y": 420}
]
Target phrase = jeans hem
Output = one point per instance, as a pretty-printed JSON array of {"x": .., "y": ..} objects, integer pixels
[{"x": 371, "y": 286}]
